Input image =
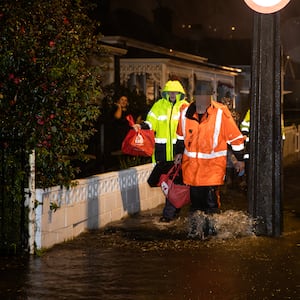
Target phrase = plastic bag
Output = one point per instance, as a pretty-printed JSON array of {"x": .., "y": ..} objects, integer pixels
[{"x": 138, "y": 143}]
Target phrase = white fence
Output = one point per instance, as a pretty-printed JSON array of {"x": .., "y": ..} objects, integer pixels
[
  {"x": 97, "y": 200},
  {"x": 92, "y": 203},
  {"x": 291, "y": 146}
]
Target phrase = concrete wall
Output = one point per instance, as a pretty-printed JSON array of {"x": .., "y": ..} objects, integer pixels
[{"x": 94, "y": 202}]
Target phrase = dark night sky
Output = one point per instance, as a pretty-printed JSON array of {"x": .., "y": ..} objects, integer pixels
[
  {"x": 202, "y": 27},
  {"x": 216, "y": 16}
]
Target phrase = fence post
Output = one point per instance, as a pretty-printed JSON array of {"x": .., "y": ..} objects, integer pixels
[
  {"x": 31, "y": 216},
  {"x": 297, "y": 140}
]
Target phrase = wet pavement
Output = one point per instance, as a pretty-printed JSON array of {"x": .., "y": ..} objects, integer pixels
[{"x": 138, "y": 258}]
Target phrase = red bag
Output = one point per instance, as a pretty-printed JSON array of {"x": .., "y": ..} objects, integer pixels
[
  {"x": 138, "y": 143},
  {"x": 161, "y": 167},
  {"x": 177, "y": 194}
]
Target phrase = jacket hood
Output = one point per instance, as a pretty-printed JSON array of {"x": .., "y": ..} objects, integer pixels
[{"x": 173, "y": 86}]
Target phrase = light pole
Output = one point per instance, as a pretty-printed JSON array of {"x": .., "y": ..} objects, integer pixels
[{"x": 265, "y": 166}]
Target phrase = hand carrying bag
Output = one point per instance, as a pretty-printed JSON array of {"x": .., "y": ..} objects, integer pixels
[
  {"x": 161, "y": 167},
  {"x": 138, "y": 143},
  {"x": 173, "y": 188}
]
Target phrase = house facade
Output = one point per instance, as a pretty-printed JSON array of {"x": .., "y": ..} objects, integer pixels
[{"x": 146, "y": 68}]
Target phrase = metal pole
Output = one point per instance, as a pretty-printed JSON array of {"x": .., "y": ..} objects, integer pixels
[{"x": 265, "y": 170}]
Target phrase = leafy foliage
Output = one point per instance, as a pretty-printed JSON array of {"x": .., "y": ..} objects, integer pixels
[{"x": 49, "y": 93}]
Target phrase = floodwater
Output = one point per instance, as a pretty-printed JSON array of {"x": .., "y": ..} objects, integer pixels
[{"x": 139, "y": 259}]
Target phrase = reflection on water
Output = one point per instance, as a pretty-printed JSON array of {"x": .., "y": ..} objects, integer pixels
[{"x": 138, "y": 258}]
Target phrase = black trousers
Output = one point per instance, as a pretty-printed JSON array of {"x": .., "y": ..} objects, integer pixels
[
  {"x": 169, "y": 211},
  {"x": 205, "y": 198}
]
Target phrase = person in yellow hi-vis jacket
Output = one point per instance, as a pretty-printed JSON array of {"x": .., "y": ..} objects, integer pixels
[
  {"x": 163, "y": 120},
  {"x": 245, "y": 129}
]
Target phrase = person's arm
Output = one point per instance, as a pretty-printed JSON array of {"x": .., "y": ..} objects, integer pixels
[
  {"x": 237, "y": 144},
  {"x": 179, "y": 149},
  {"x": 143, "y": 125},
  {"x": 179, "y": 146},
  {"x": 118, "y": 112},
  {"x": 237, "y": 159}
]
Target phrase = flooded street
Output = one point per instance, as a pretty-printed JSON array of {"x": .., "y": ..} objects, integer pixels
[
  {"x": 138, "y": 258},
  {"x": 239, "y": 270}
]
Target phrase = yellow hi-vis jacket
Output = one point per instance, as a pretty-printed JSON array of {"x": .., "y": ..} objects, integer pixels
[
  {"x": 163, "y": 119},
  {"x": 245, "y": 126},
  {"x": 205, "y": 142},
  {"x": 164, "y": 115}
]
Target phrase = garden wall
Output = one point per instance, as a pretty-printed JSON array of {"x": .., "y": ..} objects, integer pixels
[{"x": 94, "y": 202}]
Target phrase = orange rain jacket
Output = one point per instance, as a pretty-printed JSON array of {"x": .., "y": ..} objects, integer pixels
[{"x": 205, "y": 143}]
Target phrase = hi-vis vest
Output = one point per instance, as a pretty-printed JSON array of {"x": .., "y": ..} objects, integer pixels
[
  {"x": 245, "y": 126},
  {"x": 163, "y": 120},
  {"x": 204, "y": 157}
]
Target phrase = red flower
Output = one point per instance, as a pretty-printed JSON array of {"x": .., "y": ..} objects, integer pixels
[
  {"x": 51, "y": 44},
  {"x": 40, "y": 120},
  {"x": 12, "y": 102},
  {"x": 22, "y": 30},
  {"x": 46, "y": 144},
  {"x": 66, "y": 21},
  {"x": 44, "y": 87},
  {"x": 17, "y": 80}
]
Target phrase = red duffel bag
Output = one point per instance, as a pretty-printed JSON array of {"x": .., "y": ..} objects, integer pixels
[
  {"x": 175, "y": 190},
  {"x": 138, "y": 143}
]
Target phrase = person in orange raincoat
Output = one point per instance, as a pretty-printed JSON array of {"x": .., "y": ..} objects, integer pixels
[{"x": 204, "y": 130}]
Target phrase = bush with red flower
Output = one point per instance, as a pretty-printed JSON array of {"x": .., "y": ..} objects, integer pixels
[{"x": 49, "y": 94}]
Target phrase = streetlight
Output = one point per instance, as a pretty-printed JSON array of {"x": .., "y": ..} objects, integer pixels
[
  {"x": 265, "y": 165},
  {"x": 266, "y": 6}
]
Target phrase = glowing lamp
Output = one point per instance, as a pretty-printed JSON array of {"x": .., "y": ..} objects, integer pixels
[{"x": 266, "y": 6}]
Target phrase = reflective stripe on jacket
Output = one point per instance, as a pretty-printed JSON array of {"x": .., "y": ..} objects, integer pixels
[
  {"x": 163, "y": 120},
  {"x": 245, "y": 126},
  {"x": 204, "y": 157}
]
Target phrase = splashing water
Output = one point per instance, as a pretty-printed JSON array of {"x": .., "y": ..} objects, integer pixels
[{"x": 226, "y": 225}]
